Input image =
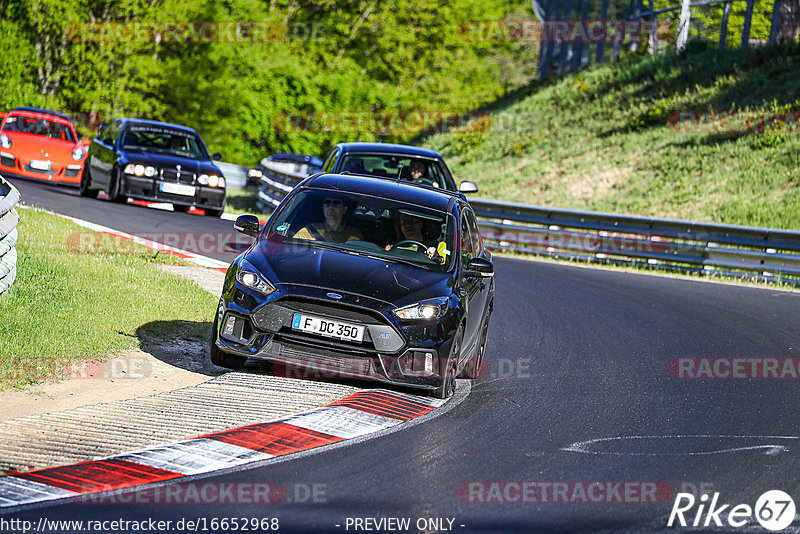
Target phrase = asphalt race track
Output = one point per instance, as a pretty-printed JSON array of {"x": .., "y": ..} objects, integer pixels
[{"x": 580, "y": 392}]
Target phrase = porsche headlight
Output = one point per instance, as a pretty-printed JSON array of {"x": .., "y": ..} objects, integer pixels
[
  {"x": 426, "y": 310},
  {"x": 78, "y": 153},
  {"x": 5, "y": 141},
  {"x": 249, "y": 277}
]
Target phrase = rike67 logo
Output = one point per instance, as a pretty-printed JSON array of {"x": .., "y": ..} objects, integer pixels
[{"x": 774, "y": 510}]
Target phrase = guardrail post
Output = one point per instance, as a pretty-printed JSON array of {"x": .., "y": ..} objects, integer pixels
[{"x": 9, "y": 197}]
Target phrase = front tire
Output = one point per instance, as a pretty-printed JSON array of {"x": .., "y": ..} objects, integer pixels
[
  {"x": 115, "y": 188},
  {"x": 86, "y": 182},
  {"x": 448, "y": 386},
  {"x": 221, "y": 358},
  {"x": 473, "y": 368}
]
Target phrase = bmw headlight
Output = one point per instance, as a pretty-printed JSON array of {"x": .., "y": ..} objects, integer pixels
[
  {"x": 425, "y": 310},
  {"x": 255, "y": 173},
  {"x": 5, "y": 141},
  {"x": 78, "y": 153},
  {"x": 140, "y": 170},
  {"x": 249, "y": 277},
  {"x": 202, "y": 179},
  {"x": 213, "y": 180}
]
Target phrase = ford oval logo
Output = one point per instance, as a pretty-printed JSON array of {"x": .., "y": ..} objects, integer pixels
[{"x": 336, "y": 296}]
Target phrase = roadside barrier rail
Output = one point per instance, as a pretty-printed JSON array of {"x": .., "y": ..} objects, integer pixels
[
  {"x": 673, "y": 244},
  {"x": 9, "y": 197}
]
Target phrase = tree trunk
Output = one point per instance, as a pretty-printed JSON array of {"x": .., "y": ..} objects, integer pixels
[{"x": 788, "y": 21}]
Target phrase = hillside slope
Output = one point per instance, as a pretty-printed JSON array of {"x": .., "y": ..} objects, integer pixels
[{"x": 601, "y": 139}]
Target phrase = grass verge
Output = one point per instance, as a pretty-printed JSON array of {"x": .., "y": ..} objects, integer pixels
[{"x": 77, "y": 297}]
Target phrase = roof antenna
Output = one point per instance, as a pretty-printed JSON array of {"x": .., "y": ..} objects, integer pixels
[{"x": 399, "y": 172}]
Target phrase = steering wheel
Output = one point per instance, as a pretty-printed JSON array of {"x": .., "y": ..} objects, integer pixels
[{"x": 423, "y": 246}]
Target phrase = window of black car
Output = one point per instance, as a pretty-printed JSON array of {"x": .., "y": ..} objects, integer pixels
[
  {"x": 330, "y": 161},
  {"x": 112, "y": 131},
  {"x": 475, "y": 233},
  {"x": 369, "y": 226},
  {"x": 390, "y": 165},
  {"x": 467, "y": 249},
  {"x": 164, "y": 140},
  {"x": 39, "y": 126}
]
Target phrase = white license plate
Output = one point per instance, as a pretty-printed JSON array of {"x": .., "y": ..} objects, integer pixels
[
  {"x": 326, "y": 327},
  {"x": 40, "y": 165},
  {"x": 177, "y": 189}
]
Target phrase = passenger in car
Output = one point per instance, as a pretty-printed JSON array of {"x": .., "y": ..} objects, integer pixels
[
  {"x": 418, "y": 173},
  {"x": 412, "y": 228},
  {"x": 333, "y": 229}
]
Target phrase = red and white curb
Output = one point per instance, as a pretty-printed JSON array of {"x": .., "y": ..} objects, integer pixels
[{"x": 356, "y": 415}]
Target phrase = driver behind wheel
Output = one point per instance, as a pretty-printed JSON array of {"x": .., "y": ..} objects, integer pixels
[{"x": 412, "y": 228}]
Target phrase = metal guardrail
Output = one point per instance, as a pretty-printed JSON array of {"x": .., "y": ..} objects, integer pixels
[
  {"x": 672, "y": 244},
  {"x": 235, "y": 175},
  {"x": 278, "y": 179},
  {"x": 9, "y": 197}
]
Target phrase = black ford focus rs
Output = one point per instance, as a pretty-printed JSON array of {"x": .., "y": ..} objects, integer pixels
[{"x": 357, "y": 277}]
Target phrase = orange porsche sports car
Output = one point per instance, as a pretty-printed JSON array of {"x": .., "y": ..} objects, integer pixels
[{"x": 43, "y": 144}]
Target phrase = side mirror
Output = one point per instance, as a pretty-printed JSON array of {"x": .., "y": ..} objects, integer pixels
[
  {"x": 85, "y": 141},
  {"x": 468, "y": 187},
  {"x": 247, "y": 224},
  {"x": 479, "y": 267},
  {"x": 216, "y": 156}
]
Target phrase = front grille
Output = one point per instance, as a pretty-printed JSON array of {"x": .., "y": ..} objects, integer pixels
[
  {"x": 71, "y": 173},
  {"x": 28, "y": 168},
  {"x": 338, "y": 311},
  {"x": 321, "y": 364},
  {"x": 8, "y": 162},
  {"x": 174, "y": 175}
]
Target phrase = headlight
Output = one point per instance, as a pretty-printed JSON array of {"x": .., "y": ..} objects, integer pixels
[
  {"x": 129, "y": 168},
  {"x": 202, "y": 179},
  {"x": 249, "y": 277},
  {"x": 5, "y": 142},
  {"x": 138, "y": 170},
  {"x": 221, "y": 182},
  {"x": 150, "y": 171},
  {"x": 78, "y": 153},
  {"x": 425, "y": 310},
  {"x": 255, "y": 173},
  {"x": 213, "y": 180}
]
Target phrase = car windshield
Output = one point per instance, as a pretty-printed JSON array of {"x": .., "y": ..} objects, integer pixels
[
  {"x": 412, "y": 169},
  {"x": 164, "y": 140},
  {"x": 39, "y": 126},
  {"x": 367, "y": 225}
]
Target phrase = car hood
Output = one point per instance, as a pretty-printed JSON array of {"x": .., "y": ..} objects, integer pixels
[
  {"x": 27, "y": 146},
  {"x": 169, "y": 161},
  {"x": 391, "y": 283}
]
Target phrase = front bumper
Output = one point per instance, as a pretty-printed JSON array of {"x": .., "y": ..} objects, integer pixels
[
  {"x": 148, "y": 189},
  {"x": 266, "y": 334},
  {"x": 13, "y": 167}
]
